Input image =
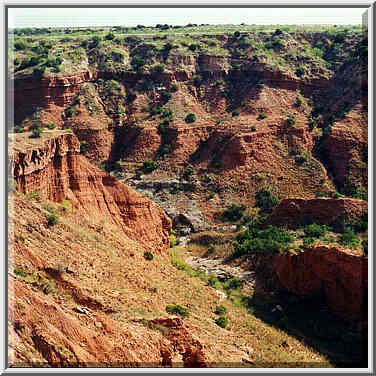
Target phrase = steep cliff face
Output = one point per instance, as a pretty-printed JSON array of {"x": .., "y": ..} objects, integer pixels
[
  {"x": 340, "y": 275},
  {"x": 297, "y": 211},
  {"x": 54, "y": 167}
]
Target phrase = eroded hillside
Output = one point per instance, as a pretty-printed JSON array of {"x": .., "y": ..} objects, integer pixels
[{"x": 246, "y": 150}]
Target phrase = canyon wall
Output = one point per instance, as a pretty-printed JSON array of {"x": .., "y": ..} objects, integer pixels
[{"x": 57, "y": 170}]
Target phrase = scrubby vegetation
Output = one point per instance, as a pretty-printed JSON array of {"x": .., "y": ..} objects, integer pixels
[{"x": 177, "y": 309}]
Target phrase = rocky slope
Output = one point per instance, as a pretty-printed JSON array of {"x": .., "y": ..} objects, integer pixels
[
  {"x": 53, "y": 166},
  {"x": 83, "y": 294}
]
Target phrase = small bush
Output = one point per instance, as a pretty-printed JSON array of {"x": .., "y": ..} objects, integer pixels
[
  {"x": 221, "y": 310},
  {"x": 256, "y": 240},
  {"x": 36, "y": 132},
  {"x": 190, "y": 118},
  {"x": 158, "y": 69},
  {"x": 349, "y": 239},
  {"x": 235, "y": 113},
  {"x": 188, "y": 172},
  {"x": 262, "y": 116},
  {"x": 84, "y": 147},
  {"x": 211, "y": 248},
  {"x": 52, "y": 220},
  {"x": 51, "y": 125},
  {"x": 233, "y": 284},
  {"x": 314, "y": 230},
  {"x": 233, "y": 212},
  {"x": 300, "y": 71},
  {"x": 290, "y": 120},
  {"x": 177, "y": 309},
  {"x": 165, "y": 96},
  {"x": 137, "y": 62},
  {"x": 69, "y": 112},
  {"x": 212, "y": 281},
  {"x": 110, "y": 36},
  {"x": 67, "y": 206},
  {"x": 148, "y": 256},
  {"x": 197, "y": 80},
  {"x": 222, "y": 321},
  {"x": 253, "y": 128},
  {"x": 307, "y": 241},
  {"x": 265, "y": 200},
  {"x": 20, "y": 272},
  {"x": 150, "y": 166}
]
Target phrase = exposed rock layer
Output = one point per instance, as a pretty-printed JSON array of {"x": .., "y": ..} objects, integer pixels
[
  {"x": 342, "y": 278},
  {"x": 59, "y": 172}
]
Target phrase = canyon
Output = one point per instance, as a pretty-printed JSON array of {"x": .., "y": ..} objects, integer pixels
[{"x": 119, "y": 206}]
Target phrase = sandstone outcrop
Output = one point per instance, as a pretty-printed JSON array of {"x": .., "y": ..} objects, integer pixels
[
  {"x": 55, "y": 168},
  {"x": 295, "y": 212},
  {"x": 340, "y": 276}
]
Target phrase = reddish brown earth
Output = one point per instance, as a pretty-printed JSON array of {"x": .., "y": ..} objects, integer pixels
[
  {"x": 55, "y": 168},
  {"x": 297, "y": 211},
  {"x": 339, "y": 274}
]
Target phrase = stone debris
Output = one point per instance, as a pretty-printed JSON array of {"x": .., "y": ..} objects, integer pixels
[{"x": 222, "y": 271}]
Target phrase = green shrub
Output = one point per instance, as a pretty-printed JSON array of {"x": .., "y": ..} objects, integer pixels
[
  {"x": 222, "y": 321},
  {"x": 256, "y": 240},
  {"x": 148, "y": 256},
  {"x": 315, "y": 231},
  {"x": 110, "y": 36},
  {"x": 253, "y": 128},
  {"x": 165, "y": 96},
  {"x": 36, "y": 132},
  {"x": 52, "y": 220},
  {"x": 150, "y": 166},
  {"x": 307, "y": 241},
  {"x": 177, "y": 309},
  {"x": 193, "y": 47},
  {"x": 190, "y": 118},
  {"x": 262, "y": 116},
  {"x": 197, "y": 80},
  {"x": 137, "y": 62},
  {"x": 336, "y": 195},
  {"x": 211, "y": 248},
  {"x": 300, "y": 71},
  {"x": 69, "y": 112},
  {"x": 95, "y": 41},
  {"x": 233, "y": 283},
  {"x": 20, "y": 45},
  {"x": 39, "y": 71},
  {"x": 162, "y": 127},
  {"x": 221, "y": 310},
  {"x": 167, "y": 113},
  {"x": 362, "y": 224},
  {"x": 236, "y": 34},
  {"x": 349, "y": 239},
  {"x": 51, "y": 125},
  {"x": 290, "y": 120},
  {"x": 235, "y": 113},
  {"x": 20, "y": 272},
  {"x": 233, "y": 212},
  {"x": 155, "y": 110},
  {"x": 212, "y": 281},
  {"x": 265, "y": 200},
  {"x": 158, "y": 69},
  {"x": 84, "y": 147},
  {"x": 188, "y": 172}
]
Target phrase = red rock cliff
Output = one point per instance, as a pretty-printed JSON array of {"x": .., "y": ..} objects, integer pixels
[
  {"x": 341, "y": 276},
  {"x": 54, "y": 166}
]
